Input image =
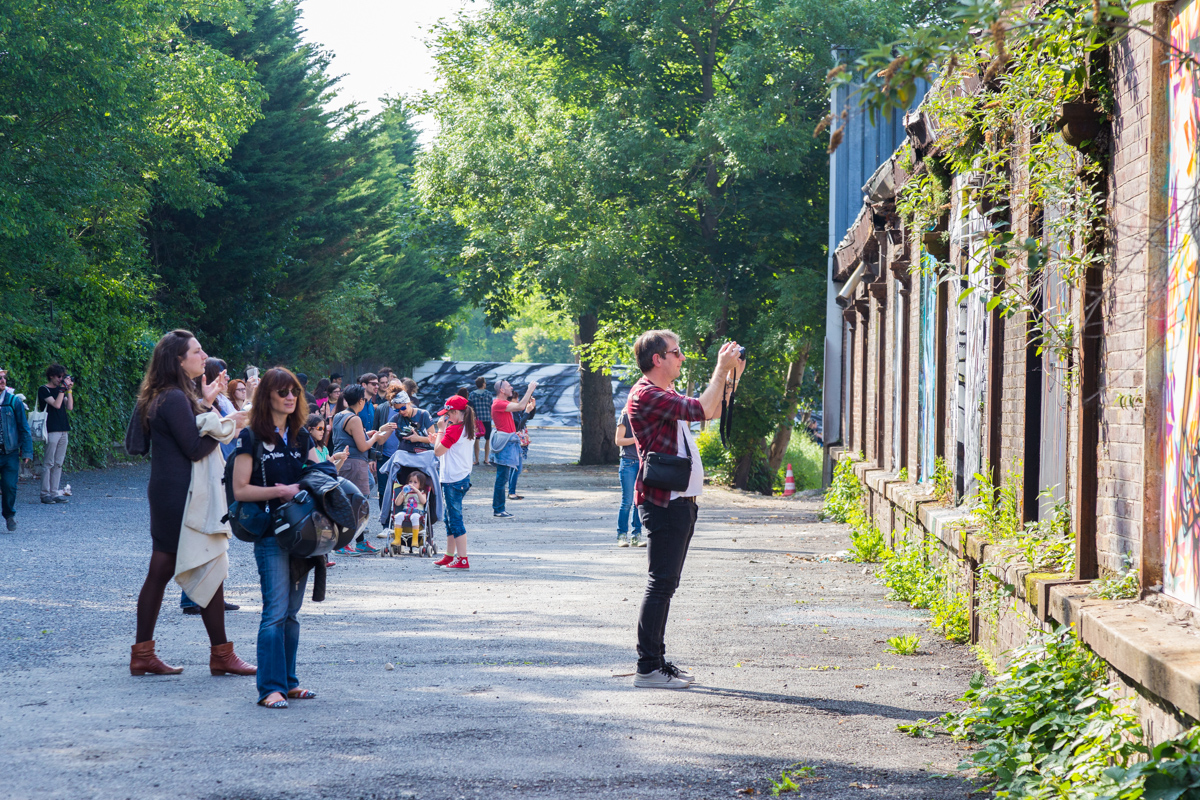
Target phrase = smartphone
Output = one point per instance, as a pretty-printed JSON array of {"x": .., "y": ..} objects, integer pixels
[{"x": 251, "y": 372}]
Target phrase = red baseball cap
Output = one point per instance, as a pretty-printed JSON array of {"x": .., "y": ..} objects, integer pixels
[{"x": 455, "y": 403}]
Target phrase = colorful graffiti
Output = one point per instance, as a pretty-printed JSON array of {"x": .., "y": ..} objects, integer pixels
[
  {"x": 1181, "y": 517},
  {"x": 927, "y": 380}
]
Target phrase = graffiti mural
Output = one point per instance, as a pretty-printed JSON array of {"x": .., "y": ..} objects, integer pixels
[
  {"x": 557, "y": 391},
  {"x": 1181, "y": 441},
  {"x": 927, "y": 379}
]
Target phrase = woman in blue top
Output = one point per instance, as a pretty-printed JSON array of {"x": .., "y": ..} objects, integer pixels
[{"x": 277, "y": 421}]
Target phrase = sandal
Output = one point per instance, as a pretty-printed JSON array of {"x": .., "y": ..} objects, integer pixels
[
  {"x": 281, "y": 703},
  {"x": 516, "y": 497},
  {"x": 301, "y": 694}
]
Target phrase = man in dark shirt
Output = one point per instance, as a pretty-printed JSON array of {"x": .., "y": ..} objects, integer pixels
[
  {"x": 480, "y": 401},
  {"x": 56, "y": 398},
  {"x": 660, "y": 419}
]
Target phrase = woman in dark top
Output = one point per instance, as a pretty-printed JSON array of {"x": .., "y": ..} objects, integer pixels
[
  {"x": 56, "y": 398},
  {"x": 171, "y": 397},
  {"x": 277, "y": 422}
]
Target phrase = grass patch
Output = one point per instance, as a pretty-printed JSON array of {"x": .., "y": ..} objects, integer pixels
[
  {"x": 805, "y": 457},
  {"x": 905, "y": 645}
]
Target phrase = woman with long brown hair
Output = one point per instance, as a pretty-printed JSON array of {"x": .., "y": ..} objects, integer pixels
[
  {"x": 268, "y": 463},
  {"x": 172, "y": 395},
  {"x": 236, "y": 392}
]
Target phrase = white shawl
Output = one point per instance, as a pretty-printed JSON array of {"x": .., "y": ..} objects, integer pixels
[{"x": 202, "y": 562}]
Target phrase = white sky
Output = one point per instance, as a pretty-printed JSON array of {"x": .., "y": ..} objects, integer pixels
[{"x": 378, "y": 45}]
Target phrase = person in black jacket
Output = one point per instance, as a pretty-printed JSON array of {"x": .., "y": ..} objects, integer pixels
[{"x": 173, "y": 393}]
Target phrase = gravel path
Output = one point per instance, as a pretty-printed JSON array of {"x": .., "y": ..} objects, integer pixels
[{"x": 507, "y": 681}]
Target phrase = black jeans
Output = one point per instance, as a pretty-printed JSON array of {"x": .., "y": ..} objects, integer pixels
[{"x": 668, "y": 535}]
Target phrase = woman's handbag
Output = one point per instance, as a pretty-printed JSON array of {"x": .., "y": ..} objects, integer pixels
[
  {"x": 663, "y": 471},
  {"x": 249, "y": 521}
]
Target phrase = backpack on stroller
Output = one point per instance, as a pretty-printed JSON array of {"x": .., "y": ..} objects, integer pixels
[{"x": 399, "y": 526}]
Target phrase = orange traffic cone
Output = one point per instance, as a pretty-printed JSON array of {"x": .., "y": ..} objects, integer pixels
[{"x": 789, "y": 482}]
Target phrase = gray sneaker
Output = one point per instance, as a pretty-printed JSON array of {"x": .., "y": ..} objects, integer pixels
[
  {"x": 638, "y": 541},
  {"x": 622, "y": 541},
  {"x": 659, "y": 679},
  {"x": 671, "y": 669},
  {"x": 10, "y": 523}
]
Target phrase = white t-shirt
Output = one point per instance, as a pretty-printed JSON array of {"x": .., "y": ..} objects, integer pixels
[
  {"x": 696, "y": 483},
  {"x": 455, "y": 463}
]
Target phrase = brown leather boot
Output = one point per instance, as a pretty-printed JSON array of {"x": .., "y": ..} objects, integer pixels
[
  {"x": 223, "y": 661},
  {"x": 143, "y": 661}
]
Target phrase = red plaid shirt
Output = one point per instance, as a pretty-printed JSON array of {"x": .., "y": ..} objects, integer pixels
[{"x": 653, "y": 414}]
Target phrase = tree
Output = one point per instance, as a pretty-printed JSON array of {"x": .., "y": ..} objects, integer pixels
[
  {"x": 106, "y": 105},
  {"x": 654, "y": 163}
]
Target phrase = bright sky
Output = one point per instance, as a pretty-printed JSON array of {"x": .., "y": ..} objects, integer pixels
[{"x": 378, "y": 45}]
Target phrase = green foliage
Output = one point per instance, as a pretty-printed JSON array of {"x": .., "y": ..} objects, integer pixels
[
  {"x": 867, "y": 545},
  {"x": 903, "y": 474},
  {"x": 996, "y": 510},
  {"x": 106, "y": 107},
  {"x": 792, "y": 780},
  {"x": 713, "y": 455},
  {"x": 653, "y": 166},
  {"x": 1123, "y": 585},
  {"x": 1044, "y": 544},
  {"x": 943, "y": 481},
  {"x": 1048, "y": 728},
  {"x": 911, "y": 575},
  {"x": 805, "y": 456},
  {"x": 536, "y": 333},
  {"x": 844, "y": 497},
  {"x": 905, "y": 645}
]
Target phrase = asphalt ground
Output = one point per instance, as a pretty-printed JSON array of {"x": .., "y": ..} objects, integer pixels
[{"x": 510, "y": 681}]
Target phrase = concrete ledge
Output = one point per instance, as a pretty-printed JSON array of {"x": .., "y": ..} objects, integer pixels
[
  {"x": 946, "y": 524},
  {"x": 1144, "y": 645}
]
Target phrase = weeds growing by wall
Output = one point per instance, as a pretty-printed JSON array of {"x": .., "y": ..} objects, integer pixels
[
  {"x": 913, "y": 575},
  {"x": 1051, "y": 727}
]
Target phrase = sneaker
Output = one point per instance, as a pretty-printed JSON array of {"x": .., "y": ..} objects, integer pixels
[
  {"x": 659, "y": 679},
  {"x": 671, "y": 669},
  {"x": 364, "y": 546},
  {"x": 443, "y": 561},
  {"x": 330, "y": 563},
  {"x": 502, "y": 514},
  {"x": 47, "y": 499},
  {"x": 193, "y": 611},
  {"x": 61, "y": 498},
  {"x": 345, "y": 551},
  {"x": 382, "y": 534},
  {"x": 622, "y": 541},
  {"x": 638, "y": 541},
  {"x": 459, "y": 563},
  {"x": 10, "y": 523}
]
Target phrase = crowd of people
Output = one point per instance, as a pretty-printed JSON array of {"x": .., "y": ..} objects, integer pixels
[{"x": 261, "y": 434}]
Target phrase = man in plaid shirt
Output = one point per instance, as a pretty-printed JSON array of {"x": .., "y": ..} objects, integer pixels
[
  {"x": 660, "y": 418},
  {"x": 480, "y": 401}
]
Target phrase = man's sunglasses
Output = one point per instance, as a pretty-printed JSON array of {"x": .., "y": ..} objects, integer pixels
[
  {"x": 286, "y": 393},
  {"x": 676, "y": 351}
]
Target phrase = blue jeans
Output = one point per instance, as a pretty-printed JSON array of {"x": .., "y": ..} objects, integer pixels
[
  {"x": 10, "y": 468},
  {"x": 454, "y": 494},
  {"x": 628, "y": 472},
  {"x": 499, "y": 498},
  {"x": 185, "y": 601},
  {"x": 516, "y": 473},
  {"x": 279, "y": 631}
]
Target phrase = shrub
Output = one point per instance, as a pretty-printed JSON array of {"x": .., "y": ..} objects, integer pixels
[
  {"x": 867, "y": 545},
  {"x": 713, "y": 455},
  {"x": 844, "y": 497}
]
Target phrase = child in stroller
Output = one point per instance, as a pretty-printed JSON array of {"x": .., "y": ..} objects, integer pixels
[{"x": 411, "y": 495}]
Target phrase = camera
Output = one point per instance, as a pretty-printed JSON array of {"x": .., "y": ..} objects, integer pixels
[
  {"x": 406, "y": 430},
  {"x": 742, "y": 353}
]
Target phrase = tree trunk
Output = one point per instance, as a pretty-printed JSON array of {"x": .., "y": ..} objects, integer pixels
[
  {"x": 596, "y": 417},
  {"x": 783, "y": 434}
]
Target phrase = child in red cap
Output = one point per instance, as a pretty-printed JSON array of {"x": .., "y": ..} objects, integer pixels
[{"x": 455, "y": 451}]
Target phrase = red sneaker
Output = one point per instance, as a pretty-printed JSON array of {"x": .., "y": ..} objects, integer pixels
[
  {"x": 443, "y": 561},
  {"x": 459, "y": 563}
]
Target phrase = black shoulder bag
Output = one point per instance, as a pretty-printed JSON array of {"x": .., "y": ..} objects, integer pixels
[{"x": 668, "y": 471}]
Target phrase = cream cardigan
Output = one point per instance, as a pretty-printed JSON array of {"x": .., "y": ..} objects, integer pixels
[{"x": 202, "y": 561}]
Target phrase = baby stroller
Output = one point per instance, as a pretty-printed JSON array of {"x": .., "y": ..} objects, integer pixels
[{"x": 400, "y": 532}]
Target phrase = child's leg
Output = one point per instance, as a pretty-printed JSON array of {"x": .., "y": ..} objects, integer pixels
[{"x": 461, "y": 543}]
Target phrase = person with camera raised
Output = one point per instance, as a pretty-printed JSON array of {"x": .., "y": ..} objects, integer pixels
[
  {"x": 669, "y": 481},
  {"x": 56, "y": 398}
]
